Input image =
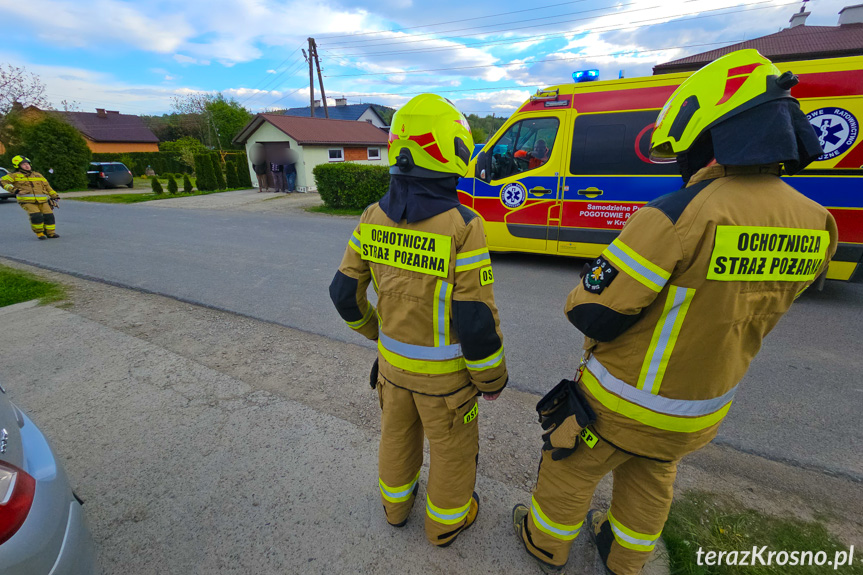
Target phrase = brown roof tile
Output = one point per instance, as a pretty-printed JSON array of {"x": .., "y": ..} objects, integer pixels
[
  {"x": 323, "y": 131},
  {"x": 111, "y": 127},
  {"x": 798, "y": 43}
]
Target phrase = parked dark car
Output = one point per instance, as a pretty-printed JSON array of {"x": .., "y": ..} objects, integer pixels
[
  {"x": 4, "y": 195},
  {"x": 109, "y": 175}
]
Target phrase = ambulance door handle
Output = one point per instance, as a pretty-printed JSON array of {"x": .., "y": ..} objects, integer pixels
[
  {"x": 537, "y": 191},
  {"x": 590, "y": 192}
]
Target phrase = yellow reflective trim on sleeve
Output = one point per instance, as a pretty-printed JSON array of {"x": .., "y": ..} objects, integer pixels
[
  {"x": 755, "y": 253},
  {"x": 646, "y": 416},
  {"x": 421, "y": 365},
  {"x": 446, "y": 516},
  {"x": 398, "y": 494},
  {"x": 355, "y": 243},
  {"x": 421, "y": 252},
  {"x": 634, "y": 265},
  {"x": 370, "y": 310},
  {"x": 546, "y": 525},
  {"x": 664, "y": 338},
  {"x": 630, "y": 539},
  {"x": 471, "y": 260},
  {"x": 489, "y": 362}
]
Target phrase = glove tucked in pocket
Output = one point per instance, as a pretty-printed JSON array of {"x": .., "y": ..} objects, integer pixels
[{"x": 563, "y": 413}]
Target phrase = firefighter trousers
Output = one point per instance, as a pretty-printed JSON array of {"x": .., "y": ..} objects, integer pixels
[
  {"x": 450, "y": 423},
  {"x": 41, "y": 217},
  {"x": 641, "y": 497}
]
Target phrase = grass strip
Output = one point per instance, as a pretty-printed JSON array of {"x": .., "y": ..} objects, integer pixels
[
  {"x": 137, "y": 198},
  {"x": 323, "y": 209},
  {"x": 17, "y": 286},
  {"x": 703, "y": 521}
]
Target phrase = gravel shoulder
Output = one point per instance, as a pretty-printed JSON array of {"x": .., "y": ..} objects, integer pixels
[{"x": 243, "y": 414}]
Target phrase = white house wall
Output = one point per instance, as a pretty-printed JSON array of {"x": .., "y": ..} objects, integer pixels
[
  {"x": 369, "y": 115},
  {"x": 315, "y": 155}
]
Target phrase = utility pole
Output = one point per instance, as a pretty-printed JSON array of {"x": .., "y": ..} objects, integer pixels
[
  {"x": 311, "y": 80},
  {"x": 314, "y": 46}
]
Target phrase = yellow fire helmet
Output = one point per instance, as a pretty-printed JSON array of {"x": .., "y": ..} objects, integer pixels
[
  {"x": 724, "y": 88},
  {"x": 429, "y": 138},
  {"x": 18, "y": 160}
]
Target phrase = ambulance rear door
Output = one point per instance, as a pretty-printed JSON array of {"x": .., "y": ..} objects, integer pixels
[{"x": 524, "y": 188}]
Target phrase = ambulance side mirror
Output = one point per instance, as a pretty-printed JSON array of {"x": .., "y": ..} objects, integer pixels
[{"x": 483, "y": 167}]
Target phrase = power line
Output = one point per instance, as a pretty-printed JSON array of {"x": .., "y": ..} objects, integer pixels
[
  {"x": 532, "y": 9},
  {"x": 277, "y": 67},
  {"x": 606, "y": 28}
]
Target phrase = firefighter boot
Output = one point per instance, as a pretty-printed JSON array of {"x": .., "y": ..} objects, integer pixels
[
  {"x": 519, "y": 516},
  {"x": 601, "y": 536},
  {"x": 472, "y": 512},
  {"x": 50, "y": 223}
]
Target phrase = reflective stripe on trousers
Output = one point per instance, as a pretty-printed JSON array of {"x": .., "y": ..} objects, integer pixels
[
  {"x": 682, "y": 415},
  {"x": 632, "y": 539},
  {"x": 398, "y": 494},
  {"x": 546, "y": 525},
  {"x": 447, "y": 516}
]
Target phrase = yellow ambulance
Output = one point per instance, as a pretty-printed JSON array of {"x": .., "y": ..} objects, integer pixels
[{"x": 570, "y": 166}]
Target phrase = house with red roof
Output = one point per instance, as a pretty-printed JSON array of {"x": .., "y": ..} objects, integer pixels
[
  {"x": 797, "y": 42},
  {"x": 113, "y": 132},
  {"x": 315, "y": 140}
]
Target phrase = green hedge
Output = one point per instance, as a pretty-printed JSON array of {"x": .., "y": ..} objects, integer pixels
[
  {"x": 349, "y": 185},
  {"x": 161, "y": 162}
]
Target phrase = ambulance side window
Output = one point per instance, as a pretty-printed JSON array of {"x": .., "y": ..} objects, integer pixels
[
  {"x": 525, "y": 146},
  {"x": 615, "y": 144}
]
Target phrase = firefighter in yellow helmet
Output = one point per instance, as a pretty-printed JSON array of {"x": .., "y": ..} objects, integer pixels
[
  {"x": 675, "y": 309},
  {"x": 436, "y": 324},
  {"x": 34, "y": 194}
]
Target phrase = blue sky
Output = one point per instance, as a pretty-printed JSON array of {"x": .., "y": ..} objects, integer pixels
[{"x": 488, "y": 57}]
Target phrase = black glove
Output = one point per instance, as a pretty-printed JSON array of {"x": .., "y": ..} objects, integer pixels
[
  {"x": 563, "y": 413},
  {"x": 373, "y": 376}
]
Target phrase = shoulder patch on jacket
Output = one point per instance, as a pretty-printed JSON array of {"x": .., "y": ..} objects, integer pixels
[
  {"x": 466, "y": 214},
  {"x": 599, "y": 277},
  {"x": 673, "y": 204}
]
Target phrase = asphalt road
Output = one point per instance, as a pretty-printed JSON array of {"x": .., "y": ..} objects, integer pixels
[{"x": 800, "y": 401}]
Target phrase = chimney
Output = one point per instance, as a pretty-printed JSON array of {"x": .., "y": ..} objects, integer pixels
[
  {"x": 100, "y": 112},
  {"x": 851, "y": 15},
  {"x": 341, "y": 101},
  {"x": 113, "y": 112},
  {"x": 317, "y": 103},
  {"x": 799, "y": 19}
]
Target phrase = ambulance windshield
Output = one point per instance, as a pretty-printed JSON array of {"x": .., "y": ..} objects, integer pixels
[{"x": 525, "y": 146}]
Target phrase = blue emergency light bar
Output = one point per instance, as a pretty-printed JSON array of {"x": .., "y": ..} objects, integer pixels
[{"x": 585, "y": 76}]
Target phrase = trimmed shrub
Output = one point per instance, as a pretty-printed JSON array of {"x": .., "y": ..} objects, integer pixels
[
  {"x": 243, "y": 174},
  {"x": 155, "y": 185},
  {"x": 187, "y": 184},
  {"x": 349, "y": 185},
  {"x": 217, "y": 170},
  {"x": 231, "y": 174},
  {"x": 161, "y": 162},
  {"x": 172, "y": 184},
  {"x": 204, "y": 173}
]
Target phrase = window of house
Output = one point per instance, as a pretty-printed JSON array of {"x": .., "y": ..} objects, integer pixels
[
  {"x": 374, "y": 153},
  {"x": 337, "y": 155}
]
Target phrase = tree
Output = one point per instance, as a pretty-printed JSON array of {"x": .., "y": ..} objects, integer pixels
[
  {"x": 204, "y": 172},
  {"x": 155, "y": 185},
  {"x": 19, "y": 85},
  {"x": 228, "y": 118},
  {"x": 217, "y": 171},
  {"x": 172, "y": 185},
  {"x": 54, "y": 144},
  {"x": 187, "y": 184},
  {"x": 243, "y": 174},
  {"x": 185, "y": 148}
]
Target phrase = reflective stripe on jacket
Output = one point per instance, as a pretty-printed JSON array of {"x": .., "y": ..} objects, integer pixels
[
  {"x": 29, "y": 187},
  {"x": 677, "y": 306}
]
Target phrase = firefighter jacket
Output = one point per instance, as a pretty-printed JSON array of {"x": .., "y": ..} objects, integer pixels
[
  {"x": 28, "y": 187},
  {"x": 436, "y": 323},
  {"x": 676, "y": 307}
]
